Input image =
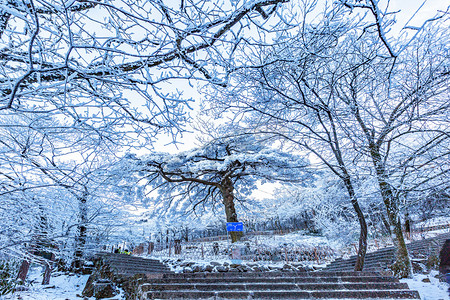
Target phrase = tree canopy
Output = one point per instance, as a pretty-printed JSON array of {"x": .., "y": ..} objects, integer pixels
[{"x": 219, "y": 172}]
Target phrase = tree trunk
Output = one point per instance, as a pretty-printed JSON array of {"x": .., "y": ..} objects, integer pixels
[
  {"x": 227, "y": 189},
  {"x": 81, "y": 238},
  {"x": 402, "y": 267},
  {"x": 23, "y": 271},
  {"x": 386, "y": 224},
  {"x": 362, "y": 249}
]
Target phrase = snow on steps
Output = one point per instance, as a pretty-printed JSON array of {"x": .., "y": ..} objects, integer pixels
[
  {"x": 380, "y": 259},
  {"x": 131, "y": 265},
  {"x": 275, "y": 285}
]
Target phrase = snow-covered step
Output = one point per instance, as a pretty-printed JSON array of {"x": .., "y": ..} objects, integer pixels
[
  {"x": 380, "y": 259},
  {"x": 130, "y": 265},
  {"x": 270, "y": 286},
  {"x": 283, "y": 294},
  {"x": 273, "y": 285},
  {"x": 302, "y": 274},
  {"x": 288, "y": 279}
]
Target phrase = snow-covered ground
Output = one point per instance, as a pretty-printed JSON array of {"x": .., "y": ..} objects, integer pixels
[
  {"x": 61, "y": 287},
  {"x": 70, "y": 286},
  {"x": 429, "y": 286},
  {"x": 65, "y": 287}
]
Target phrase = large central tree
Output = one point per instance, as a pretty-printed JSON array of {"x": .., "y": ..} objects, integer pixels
[{"x": 221, "y": 171}]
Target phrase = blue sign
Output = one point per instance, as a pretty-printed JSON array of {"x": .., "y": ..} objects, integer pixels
[{"x": 235, "y": 226}]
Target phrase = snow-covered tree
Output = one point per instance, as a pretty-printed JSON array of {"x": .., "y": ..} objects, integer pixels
[
  {"x": 282, "y": 98},
  {"x": 47, "y": 166},
  {"x": 222, "y": 171},
  {"x": 111, "y": 65},
  {"x": 79, "y": 80},
  {"x": 400, "y": 106},
  {"x": 360, "y": 101}
]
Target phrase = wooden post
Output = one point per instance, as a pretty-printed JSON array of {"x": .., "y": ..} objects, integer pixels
[
  {"x": 203, "y": 252},
  {"x": 317, "y": 257},
  {"x": 151, "y": 246},
  {"x": 177, "y": 247},
  {"x": 216, "y": 248},
  {"x": 48, "y": 269},
  {"x": 286, "y": 255}
]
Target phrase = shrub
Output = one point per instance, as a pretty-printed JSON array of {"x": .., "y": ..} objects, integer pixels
[{"x": 8, "y": 273}]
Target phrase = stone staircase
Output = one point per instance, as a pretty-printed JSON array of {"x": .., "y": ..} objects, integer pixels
[
  {"x": 336, "y": 281},
  {"x": 275, "y": 285},
  {"x": 381, "y": 259},
  {"x": 127, "y": 265}
]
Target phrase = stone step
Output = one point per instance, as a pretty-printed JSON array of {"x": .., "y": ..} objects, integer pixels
[
  {"x": 270, "y": 286},
  {"x": 383, "y": 257},
  {"x": 131, "y": 264},
  {"x": 375, "y": 266},
  {"x": 272, "y": 274},
  {"x": 379, "y": 268},
  {"x": 283, "y": 294},
  {"x": 351, "y": 266},
  {"x": 127, "y": 258},
  {"x": 367, "y": 260},
  {"x": 139, "y": 270},
  {"x": 373, "y": 255},
  {"x": 414, "y": 245},
  {"x": 147, "y": 272},
  {"x": 366, "y": 264},
  {"x": 268, "y": 279}
]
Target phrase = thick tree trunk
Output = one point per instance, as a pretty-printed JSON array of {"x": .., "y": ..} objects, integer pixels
[
  {"x": 362, "y": 249},
  {"x": 402, "y": 267},
  {"x": 23, "y": 271},
  {"x": 230, "y": 211}
]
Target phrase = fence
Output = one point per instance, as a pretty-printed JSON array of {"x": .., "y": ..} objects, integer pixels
[
  {"x": 243, "y": 251},
  {"x": 246, "y": 236}
]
